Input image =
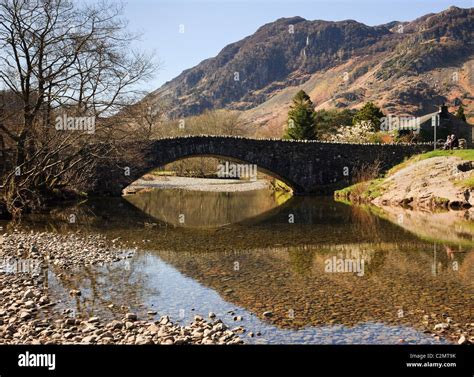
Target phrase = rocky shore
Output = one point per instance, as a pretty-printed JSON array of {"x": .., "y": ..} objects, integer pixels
[
  {"x": 29, "y": 316},
  {"x": 434, "y": 183}
]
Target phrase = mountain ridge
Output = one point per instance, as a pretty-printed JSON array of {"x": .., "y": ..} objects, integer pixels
[{"x": 404, "y": 66}]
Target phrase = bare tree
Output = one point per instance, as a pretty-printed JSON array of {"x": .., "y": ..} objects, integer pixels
[
  {"x": 146, "y": 118},
  {"x": 58, "y": 58}
]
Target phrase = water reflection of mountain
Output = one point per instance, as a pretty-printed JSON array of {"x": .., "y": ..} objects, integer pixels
[{"x": 283, "y": 280}]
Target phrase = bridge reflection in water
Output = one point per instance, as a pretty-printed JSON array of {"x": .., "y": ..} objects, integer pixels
[{"x": 199, "y": 209}]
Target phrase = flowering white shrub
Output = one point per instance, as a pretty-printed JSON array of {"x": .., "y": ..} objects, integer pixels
[{"x": 362, "y": 132}]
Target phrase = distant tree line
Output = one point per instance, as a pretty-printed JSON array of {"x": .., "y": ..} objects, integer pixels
[
  {"x": 305, "y": 123},
  {"x": 350, "y": 125}
]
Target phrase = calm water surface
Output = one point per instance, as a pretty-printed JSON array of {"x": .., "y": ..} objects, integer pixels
[{"x": 243, "y": 254}]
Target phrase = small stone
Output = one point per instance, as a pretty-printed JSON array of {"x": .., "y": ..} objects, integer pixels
[
  {"x": 198, "y": 318},
  {"x": 89, "y": 339},
  {"x": 88, "y": 328},
  {"x": 462, "y": 340},
  {"x": 212, "y": 315},
  {"x": 68, "y": 335},
  {"x": 28, "y": 294},
  {"x": 94, "y": 320},
  {"x": 219, "y": 327},
  {"x": 139, "y": 340},
  {"x": 238, "y": 330},
  {"x": 106, "y": 335},
  {"x": 268, "y": 314},
  {"x": 131, "y": 316},
  {"x": 116, "y": 325},
  {"x": 24, "y": 315},
  {"x": 153, "y": 329},
  {"x": 441, "y": 326},
  {"x": 152, "y": 312},
  {"x": 30, "y": 304}
]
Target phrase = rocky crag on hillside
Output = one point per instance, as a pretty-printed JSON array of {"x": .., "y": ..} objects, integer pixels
[{"x": 407, "y": 68}]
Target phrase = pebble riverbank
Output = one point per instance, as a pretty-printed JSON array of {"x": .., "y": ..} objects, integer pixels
[
  {"x": 196, "y": 184},
  {"x": 29, "y": 316}
]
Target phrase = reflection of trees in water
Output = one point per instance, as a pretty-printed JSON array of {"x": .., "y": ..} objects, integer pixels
[
  {"x": 90, "y": 215},
  {"x": 317, "y": 220},
  {"x": 466, "y": 268},
  {"x": 122, "y": 283},
  {"x": 397, "y": 276},
  {"x": 301, "y": 259},
  {"x": 364, "y": 222}
]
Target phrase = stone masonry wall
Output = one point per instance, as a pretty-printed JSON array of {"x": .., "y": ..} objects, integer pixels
[{"x": 309, "y": 167}]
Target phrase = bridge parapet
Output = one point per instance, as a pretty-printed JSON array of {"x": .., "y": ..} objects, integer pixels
[{"x": 309, "y": 167}]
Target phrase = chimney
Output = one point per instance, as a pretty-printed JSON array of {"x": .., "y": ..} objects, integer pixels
[{"x": 443, "y": 111}]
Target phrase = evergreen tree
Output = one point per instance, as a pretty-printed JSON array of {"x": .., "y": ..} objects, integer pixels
[
  {"x": 369, "y": 113},
  {"x": 329, "y": 121},
  {"x": 460, "y": 113},
  {"x": 301, "y": 124}
]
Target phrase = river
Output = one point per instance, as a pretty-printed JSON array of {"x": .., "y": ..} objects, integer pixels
[{"x": 288, "y": 269}]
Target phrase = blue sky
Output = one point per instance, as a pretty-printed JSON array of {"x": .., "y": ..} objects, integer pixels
[{"x": 209, "y": 25}]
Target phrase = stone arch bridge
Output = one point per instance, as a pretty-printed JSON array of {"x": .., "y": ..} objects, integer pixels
[{"x": 309, "y": 167}]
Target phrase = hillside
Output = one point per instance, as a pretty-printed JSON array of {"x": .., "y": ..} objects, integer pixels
[
  {"x": 406, "y": 68},
  {"x": 433, "y": 180}
]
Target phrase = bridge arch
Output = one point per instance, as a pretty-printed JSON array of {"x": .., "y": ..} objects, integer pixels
[
  {"x": 263, "y": 169},
  {"x": 309, "y": 167}
]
